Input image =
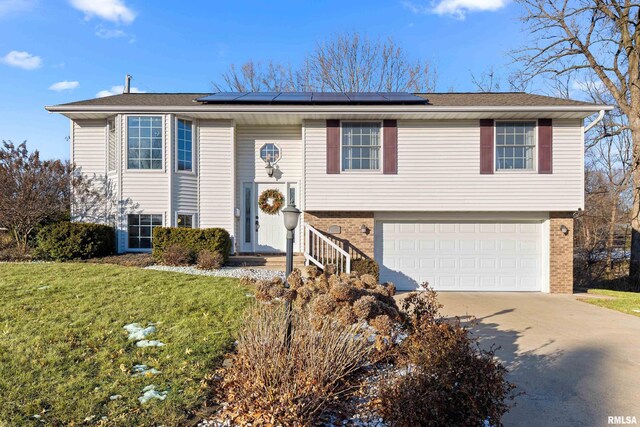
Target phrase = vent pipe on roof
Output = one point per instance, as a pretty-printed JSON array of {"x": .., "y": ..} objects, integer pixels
[{"x": 127, "y": 84}]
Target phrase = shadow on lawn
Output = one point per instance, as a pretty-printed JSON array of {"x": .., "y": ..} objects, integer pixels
[{"x": 558, "y": 386}]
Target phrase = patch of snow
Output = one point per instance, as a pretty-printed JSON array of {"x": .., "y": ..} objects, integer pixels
[
  {"x": 137, "y": 332},
  {"x": 141, "y": 370},
  {"x": 636, "y": 310},
  {"x": 150, "y": 392},
  {"x": 115, "y": 397},
  {"x": 147, "y": 343},
  {"x": 235, "y": 272},
  {"x": 42, "y": 288}
]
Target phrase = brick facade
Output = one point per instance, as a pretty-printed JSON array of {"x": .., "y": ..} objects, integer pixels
[
  {"x": 561, "y": 253},
  {"x": 351, "y": 238}
]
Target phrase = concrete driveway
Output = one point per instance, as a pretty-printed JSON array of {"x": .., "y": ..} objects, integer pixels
[{"x": 577, "y": 363}]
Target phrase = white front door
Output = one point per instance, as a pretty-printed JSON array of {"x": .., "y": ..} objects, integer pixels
[
  {"x": 461, "y": 256},
  {"x": 271, "y": 234}
]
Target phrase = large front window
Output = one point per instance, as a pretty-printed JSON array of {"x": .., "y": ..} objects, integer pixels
[
  {"x": 144, "y": 142},
  {"x": 515, "y": 145},
  {"x": 360, "y": 146},
  {"x": 141, "y": 230},
  {"x": 185, "y": 145}
]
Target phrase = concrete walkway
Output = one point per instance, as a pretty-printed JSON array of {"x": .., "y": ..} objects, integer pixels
[{"x": 577, "y": 363}]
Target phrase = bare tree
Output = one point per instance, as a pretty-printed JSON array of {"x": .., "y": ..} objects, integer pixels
[
  {"x": 598, "y": 38},
  {"x": 346, "y": 63},
  {"x": 487, "y": 81},
  {"x": 32, "y": 190}
]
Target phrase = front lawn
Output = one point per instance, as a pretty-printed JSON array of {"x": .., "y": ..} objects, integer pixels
[
  {"x": 626, "y": 302},
  {"x": 65, "y": 358}
]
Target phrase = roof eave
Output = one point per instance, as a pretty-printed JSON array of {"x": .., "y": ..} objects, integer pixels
[{"x": 66, "y": 109}]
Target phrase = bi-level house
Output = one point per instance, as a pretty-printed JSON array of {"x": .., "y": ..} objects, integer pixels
[{"x": 465, "y": 191}]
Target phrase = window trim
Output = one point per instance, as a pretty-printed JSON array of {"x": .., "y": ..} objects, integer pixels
[
  {"x": 379, "y": 170},
  {"x": 186, "y": 213},
  {"x": 193, "y": 146},
  {"x": 126, "y": 144},
  {"x": 128, "y": 249},
  {"x": 279, "y": 151},
  {"x": 533, "y": 170}
]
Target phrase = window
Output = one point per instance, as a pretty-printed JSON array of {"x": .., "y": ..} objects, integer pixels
[
  {"x": 185, "y": 221},
  {"x": 111, "y": 146},
  {"x": 515, "y": 145},
  {"x": 248, "y": 224},
  {"x": 144, "y": 145},
  {"x": 270, "y": 152},
  {"x": 360, "y": 146},
  {"x": 185, "y": 145},
  {"x": 141, "y": 230}
]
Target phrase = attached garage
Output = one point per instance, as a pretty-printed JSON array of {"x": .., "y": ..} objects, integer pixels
[{"x": 463, "y": 255}]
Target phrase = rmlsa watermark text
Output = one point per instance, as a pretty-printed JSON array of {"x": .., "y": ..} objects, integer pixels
[{"x": 621, "y": 420}]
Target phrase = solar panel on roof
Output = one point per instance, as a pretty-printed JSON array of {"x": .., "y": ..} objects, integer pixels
[
  {"x": 313, "y": 98},
  {"x": 402, "y": 97},
  {"x": 258, "y": 96},
  {"x": 328, "y": 97},
  {"x": 222, "y": 96},
  {"x": 365, "y": 97},
  {"x": 294, "y": 97}
]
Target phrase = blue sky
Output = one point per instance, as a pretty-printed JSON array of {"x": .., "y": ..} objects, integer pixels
[{"x": 56, "y": 51}]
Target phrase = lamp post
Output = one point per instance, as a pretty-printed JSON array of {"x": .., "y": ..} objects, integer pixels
[{"x": 291, "y": 215}]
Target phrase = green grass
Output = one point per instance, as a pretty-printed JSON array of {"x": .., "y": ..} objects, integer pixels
[
  {"x": 625, "y": 302},
  {"x": 63, "y": 351}
]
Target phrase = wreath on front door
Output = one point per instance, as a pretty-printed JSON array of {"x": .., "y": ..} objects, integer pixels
[{"x": 270, "y": 201}]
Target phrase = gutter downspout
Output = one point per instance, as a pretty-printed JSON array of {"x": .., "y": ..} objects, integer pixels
[{"x": 595, "y": 122}]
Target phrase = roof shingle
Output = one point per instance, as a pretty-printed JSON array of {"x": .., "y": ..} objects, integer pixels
[{"x": 453, "y": 99}]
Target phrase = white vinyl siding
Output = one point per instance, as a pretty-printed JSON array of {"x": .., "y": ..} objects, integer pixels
[
  {"x": 88, "y": 149},
  {"x": 112, "y": 146},
  {"x": 438, "y": 170},
  {"x": 144, "y": 191},
  {"x": 216, "y": 171}
]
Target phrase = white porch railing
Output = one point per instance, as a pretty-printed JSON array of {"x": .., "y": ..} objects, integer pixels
[{"x": 321, "y": 251}]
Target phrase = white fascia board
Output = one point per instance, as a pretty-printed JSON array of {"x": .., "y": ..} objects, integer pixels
[{"x": 302, "y": 109}]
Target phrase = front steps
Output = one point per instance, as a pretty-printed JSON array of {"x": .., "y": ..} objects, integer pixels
[{"x": 267, "y": 261}]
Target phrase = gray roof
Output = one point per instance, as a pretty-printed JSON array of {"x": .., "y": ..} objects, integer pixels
[{"x": 456, "y": 99}]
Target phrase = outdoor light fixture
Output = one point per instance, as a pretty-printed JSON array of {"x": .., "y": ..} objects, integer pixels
[
  {"x": 364, "y": 229},
  {"x": 564, "y": 229},
  {"x": 291, "y": 215},
  {"x": 269, "y": 169}
]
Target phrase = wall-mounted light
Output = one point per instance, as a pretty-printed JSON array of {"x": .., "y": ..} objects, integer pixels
[
  {"x": 269, "y": 169},
  {"x": 564, "y": 229},
  {"x": 364, "y": 229}
]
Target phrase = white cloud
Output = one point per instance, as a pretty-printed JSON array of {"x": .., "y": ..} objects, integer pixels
[
  {"x": 110, "y": 10},
  {"x": 116, "y": 90},
  {"x": 456, "y": 8},
  {"x": 11, "y": 6},
  {"x": 104, "y": 33},
  {"x": 23, "y": 60},
  {"x": 64, "y": 85},
  {"x": 108, "y": 33}
]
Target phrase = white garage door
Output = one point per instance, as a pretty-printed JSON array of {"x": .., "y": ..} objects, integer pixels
[{"x": 461, "y": 256}]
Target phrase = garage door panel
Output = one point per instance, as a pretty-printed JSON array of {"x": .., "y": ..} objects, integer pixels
[{"x": 465, "y": 255}]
